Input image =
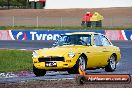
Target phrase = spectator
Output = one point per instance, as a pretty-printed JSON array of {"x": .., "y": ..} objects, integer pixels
[{"x": 86, "y": 19}]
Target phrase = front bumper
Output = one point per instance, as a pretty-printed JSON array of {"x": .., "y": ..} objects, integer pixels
[{"x": 60, "y": 65}]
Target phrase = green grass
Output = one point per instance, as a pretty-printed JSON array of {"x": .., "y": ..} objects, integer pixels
[
  {"x": 15, "y": 60},
  {"x": 59, "y": 27},
  {"x": 2, "y": 27}
]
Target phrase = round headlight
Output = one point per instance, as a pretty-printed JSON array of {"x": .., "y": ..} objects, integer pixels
[
  {"x": 35, "y": 55},
  {"x": 71, "y": 54}
]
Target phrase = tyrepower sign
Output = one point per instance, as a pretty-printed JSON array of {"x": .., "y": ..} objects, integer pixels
[
  {"x": 55, "y": 34},
  {"x": 42, "y": 34}
]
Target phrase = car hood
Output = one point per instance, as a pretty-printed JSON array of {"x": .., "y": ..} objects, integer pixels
[{"x": 56, "y": 51}]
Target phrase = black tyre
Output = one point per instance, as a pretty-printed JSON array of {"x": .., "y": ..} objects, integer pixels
[
  {"x": 111, "y": 65},
  {"x": 83, "y": 24},
  {"x": 80, "y": 62},
  {"x": 88, "y": 23},
  {"x": 98, "y": 23},
  {"x": 39, "y": 72}
]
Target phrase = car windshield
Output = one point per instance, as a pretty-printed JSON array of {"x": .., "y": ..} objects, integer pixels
[{"x": 75, "y": 39}]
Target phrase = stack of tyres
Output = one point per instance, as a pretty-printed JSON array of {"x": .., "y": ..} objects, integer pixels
[
  {"x": 33, "y": 5},
  {"x": 39, "y": 5},
  {"x": 96, "y": 23},
  {"x": 88, "y": 24},
  {"x": 99, "y": 23}
]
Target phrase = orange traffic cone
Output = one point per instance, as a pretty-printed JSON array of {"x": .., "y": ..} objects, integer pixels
[{"x": 81, "y": 71}]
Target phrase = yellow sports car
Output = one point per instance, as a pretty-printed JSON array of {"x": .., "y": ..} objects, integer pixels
[{"x": 86, "y": 49}]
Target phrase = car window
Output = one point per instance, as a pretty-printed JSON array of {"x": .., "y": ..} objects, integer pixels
[
  {"x": 97, "y": 40},
  {"x": 76, "y": 39},
  {"x": 104, "y": 41},
  {"x": 100, "y": 40},
  {"x": 86, "y": 39}
]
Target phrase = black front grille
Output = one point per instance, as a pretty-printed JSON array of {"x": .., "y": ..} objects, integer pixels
[{"x": 44, "y": 59}]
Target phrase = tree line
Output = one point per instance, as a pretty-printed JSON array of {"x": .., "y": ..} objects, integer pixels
[{"x": 13, "y": 3}]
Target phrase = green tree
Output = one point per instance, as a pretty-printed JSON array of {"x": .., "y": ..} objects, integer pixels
[
  {"x": 13, "y": 2},
  {"x": 3, "y": 2}
]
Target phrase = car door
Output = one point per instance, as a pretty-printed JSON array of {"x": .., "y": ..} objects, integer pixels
[
  {"x": 107, "y": 49},
  {"x": 95, "y": 55}
]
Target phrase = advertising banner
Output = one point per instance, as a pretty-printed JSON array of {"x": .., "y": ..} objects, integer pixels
[
  {"x": 54, "y": 34},
  {"x": 42, "y": 34},
  {"x": 119, "y": 34}
]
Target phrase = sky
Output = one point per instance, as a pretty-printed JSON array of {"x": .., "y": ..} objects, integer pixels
[{"x": 62, "y": 4}]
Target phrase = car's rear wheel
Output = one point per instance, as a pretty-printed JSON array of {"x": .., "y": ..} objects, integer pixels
[
  {"x": 111, "y": 65},
  {"x": 39, "y": 72},
  {"x": 80, "y": 62}
]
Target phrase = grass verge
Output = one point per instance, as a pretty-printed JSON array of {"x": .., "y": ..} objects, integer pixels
[
  {"x": 61, "y": 28},
  {"x": 15, "y": 60}
]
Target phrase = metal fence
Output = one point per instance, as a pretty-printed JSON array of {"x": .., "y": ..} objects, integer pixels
[{"x": 37, "y": 21}]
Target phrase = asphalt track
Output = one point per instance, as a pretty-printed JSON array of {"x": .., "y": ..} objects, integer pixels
[{"x": 123, "y": 67}]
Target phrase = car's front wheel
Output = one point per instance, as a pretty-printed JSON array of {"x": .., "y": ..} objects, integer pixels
[
  {"x": 80, "y": 62},
  {"x": 39, "y": 72},
  {"x": 111, "y": 65}
]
